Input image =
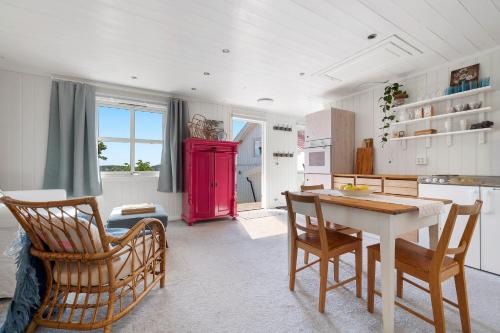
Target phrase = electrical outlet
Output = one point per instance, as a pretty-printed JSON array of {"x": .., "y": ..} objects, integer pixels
[{"x": 421, "y": 160}]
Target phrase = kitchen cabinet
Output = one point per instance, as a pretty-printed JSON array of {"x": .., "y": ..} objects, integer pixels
[
  {"x": 318, "y": 179},
  {"x": 490, "y": 229},
  {"x": 318, "y": 125},
  {"x": 209, "y": 180},
  {"x": 462, "y": 195}
]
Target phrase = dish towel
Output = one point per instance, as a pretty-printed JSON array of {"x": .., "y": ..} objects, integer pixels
[{"x": 426, "y": 207}]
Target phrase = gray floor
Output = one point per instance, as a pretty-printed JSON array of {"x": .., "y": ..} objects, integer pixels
[{"x": 231, "y": 276}]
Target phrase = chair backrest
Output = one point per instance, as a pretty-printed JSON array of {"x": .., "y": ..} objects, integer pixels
[
  {"x": 67, "y": 226},
  {"x": 459, "y": 252},
  {"x": 304, "y": 188},
  {"x": 306, "y": 204}
]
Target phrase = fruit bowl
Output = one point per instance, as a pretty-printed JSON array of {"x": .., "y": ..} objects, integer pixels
[{"x": 356, "y": 193}]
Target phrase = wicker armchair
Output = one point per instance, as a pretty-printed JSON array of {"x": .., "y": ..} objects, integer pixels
[{"x": 93, "y": 279}]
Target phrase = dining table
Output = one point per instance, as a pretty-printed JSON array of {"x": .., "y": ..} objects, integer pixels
[{"x": 388, "y": 220}]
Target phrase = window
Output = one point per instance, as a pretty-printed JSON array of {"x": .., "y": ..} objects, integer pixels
[{"x": 130, "y": 137}]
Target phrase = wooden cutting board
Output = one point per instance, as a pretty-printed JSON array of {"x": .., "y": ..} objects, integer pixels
[{"x": 364, "y": 161}]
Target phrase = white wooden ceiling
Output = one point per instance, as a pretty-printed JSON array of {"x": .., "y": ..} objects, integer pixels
[{"x": 168, "y": 45}]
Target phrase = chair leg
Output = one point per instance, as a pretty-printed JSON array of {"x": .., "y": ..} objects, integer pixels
[
  {"x": 399, "y": 290},
  {"x": 463, "y": 304},
  {"x": 107, "y": 329},
  {"x": 293, "y": 265},
  {"x": 437, "y": 305},
  {"x": 31, "y": 327},
  {"x": 306, "y": 257},
  {"x": 359, "y": 270},
  {"x": 322, "y": 284},
  {"x": 371, "y": 281},
  {"x": 336, "y": 269}
]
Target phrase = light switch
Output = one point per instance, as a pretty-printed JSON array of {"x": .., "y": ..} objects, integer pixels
[{"x": 421, "y": 160}]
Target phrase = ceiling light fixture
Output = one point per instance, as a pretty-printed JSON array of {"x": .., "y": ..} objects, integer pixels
[
  {"x": 302, "y": 73},
  {"x": 206, "y": 73},
  {"x": 226, "y": 50},
  {"x": 193, "y": 89},
  {"x": 133, "y": 77},
  {"x": 265, "y": 101},
  {"x": 372, "y": 36}
]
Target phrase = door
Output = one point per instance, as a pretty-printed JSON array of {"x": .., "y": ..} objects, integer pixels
[
  {"x": 318, "y": 179},
  {"x": 490, "y": 229},
  {"x": 462, "y": 195},
  {"x": 223, "y": 182},
  {"x": 203, "y": 190}
]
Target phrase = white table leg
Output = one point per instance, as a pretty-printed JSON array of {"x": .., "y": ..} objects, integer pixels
[
  {"x": 387, "y": 258},
  {"x": 434, "y": 234}
]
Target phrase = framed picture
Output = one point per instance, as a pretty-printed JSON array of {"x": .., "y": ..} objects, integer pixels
[
  {"x": 418, "y": 113},
  {"x": 467, "y": 74},
  {"x": 257, "y": 147},
  {"x": 427, "y": 111}
]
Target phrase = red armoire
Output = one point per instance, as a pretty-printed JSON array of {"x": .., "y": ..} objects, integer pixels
[{"x": 209, "y": 180}]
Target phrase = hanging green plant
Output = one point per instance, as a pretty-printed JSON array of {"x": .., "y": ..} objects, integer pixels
[{"x": 392, "y": 93}]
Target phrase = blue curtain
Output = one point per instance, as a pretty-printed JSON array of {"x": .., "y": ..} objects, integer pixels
[
  {"x": 72, "y": 145},
  {"x": 171, "y": 156}
]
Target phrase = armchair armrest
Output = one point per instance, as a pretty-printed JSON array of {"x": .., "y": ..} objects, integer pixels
[{"x": 137, "y": 230}]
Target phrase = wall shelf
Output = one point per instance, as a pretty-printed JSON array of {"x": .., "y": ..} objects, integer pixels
[
  {"x": 479, "y": 130},
  {"x": 443, "y": 116},
  {"x": 442, "y": 98}
]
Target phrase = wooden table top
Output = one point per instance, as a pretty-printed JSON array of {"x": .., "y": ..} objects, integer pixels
[{"x": 376, "y": 206}]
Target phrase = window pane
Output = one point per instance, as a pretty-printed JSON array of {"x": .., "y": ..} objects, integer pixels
[
  {"x": 147, "y": 156},
  {"x": 148, "y": 125},
  {"x": 114, "y": 156},
  {"x": 114, "y": 122}
]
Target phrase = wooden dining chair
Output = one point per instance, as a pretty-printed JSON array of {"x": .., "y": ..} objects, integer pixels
[
  {"x": 330, "y": 225},
  {"x": 320, "y": 241},
  {"x": 433, "y": 267}
]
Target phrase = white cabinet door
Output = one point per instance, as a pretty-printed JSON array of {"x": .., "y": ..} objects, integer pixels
[
  {"x": 490, "y": 229},
  {"x": 319, "y": 125},
  {"x": 462, "y": 195},
  {"x": 318, "y": 179}
]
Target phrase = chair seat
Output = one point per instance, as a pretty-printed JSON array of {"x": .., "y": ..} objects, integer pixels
[
  {"x": 335, "y": 239},
  {"x": 415, "y": 256}
]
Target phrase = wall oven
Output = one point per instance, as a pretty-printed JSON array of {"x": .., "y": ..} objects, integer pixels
[{"x": 317, "y": 156}]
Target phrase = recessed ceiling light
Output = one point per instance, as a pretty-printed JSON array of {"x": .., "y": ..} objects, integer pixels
[
  {"x": 372, "y": 36},
  {"x": 193, "y": 88},
  {"x": 206, "y": 73},
  {"x": 226, "y": 50},
  {"x": 265, "y": 101},
  {"x": 133, "y": 77},
  {"x": 302, "y": 73}
]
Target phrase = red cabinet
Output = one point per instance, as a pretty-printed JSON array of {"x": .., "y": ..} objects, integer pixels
[{"x": 209, "y": 180}]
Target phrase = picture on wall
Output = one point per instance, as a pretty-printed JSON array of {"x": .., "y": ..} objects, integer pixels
[{"x": 467, "y": 74}]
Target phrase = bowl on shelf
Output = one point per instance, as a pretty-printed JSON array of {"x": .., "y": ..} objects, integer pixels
[{"x": 475, "y": 105}]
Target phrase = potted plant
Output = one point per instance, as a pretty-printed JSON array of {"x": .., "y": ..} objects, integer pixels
[{"x": 392, "y": 95}]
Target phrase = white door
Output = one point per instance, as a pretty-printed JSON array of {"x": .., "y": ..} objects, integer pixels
[
  {"x": 462, "y": 195},
  {"x": 318, "y": 179},
  {"x": 319, "y": 125},
  {"x": 490, "y": 229}
]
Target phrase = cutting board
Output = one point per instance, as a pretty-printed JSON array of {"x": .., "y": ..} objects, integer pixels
[{"x": 364, "y": 161}]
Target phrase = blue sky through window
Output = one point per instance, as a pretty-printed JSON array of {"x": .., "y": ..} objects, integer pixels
[
  {"x": 114, "y": 122},
  {"x": 238, "y": 124}
]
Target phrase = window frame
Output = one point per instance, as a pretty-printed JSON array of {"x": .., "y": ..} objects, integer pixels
[{"x": 133, "y": 107}]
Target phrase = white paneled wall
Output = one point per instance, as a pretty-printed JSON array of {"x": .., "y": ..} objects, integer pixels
[
  {"x": 24, "y": 118},
  {"x": 24, "y": 109},
  {"x": 464, "y": 156}
]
